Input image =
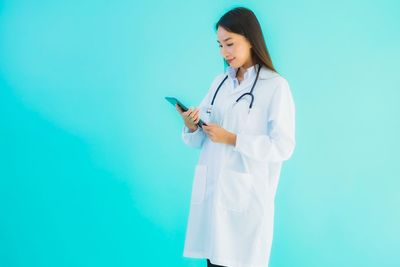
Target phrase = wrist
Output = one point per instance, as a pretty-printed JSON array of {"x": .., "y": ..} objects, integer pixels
[
  {"x": 192, "y": 129},
  {"x": 231, "y": 139}
]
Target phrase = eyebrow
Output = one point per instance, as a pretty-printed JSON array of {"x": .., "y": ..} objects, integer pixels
[{"x": 226, "y": 39}]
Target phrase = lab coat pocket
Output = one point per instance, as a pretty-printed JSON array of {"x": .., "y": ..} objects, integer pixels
[
  {"x": 234, "y": 190},
  {"x": 199, "y": 184}
]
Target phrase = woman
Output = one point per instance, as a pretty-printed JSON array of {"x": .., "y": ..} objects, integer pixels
[{"x": 243, "y": 146}]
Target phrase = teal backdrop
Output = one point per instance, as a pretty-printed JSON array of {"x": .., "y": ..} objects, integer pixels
[{"x": 93, "y": 170}]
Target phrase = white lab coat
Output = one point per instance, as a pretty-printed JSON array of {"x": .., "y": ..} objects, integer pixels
[{"x": 232, "y": 203}]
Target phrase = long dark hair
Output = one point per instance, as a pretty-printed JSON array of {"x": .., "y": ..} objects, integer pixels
[{"x": 242, "y": 21}]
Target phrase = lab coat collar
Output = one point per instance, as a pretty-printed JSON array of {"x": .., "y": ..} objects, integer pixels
[
  {"x": 265, "y": 73},
  {"x": 250, "y": 72}
]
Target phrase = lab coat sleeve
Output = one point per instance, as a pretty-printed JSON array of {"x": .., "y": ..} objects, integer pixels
[
  {"x": 279, "y": 142},
  {"x": 196, "y": 138}
]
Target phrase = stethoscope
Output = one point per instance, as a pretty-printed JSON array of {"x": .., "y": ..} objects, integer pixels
[{"x": 240, "y": 97}]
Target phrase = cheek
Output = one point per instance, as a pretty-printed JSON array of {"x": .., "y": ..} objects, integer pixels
[
  {"x": 240, "y": 52},
  {"x": 230, "y": 50}
]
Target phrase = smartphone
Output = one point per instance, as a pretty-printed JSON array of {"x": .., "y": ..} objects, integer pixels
[{"x": 175, "y": 101}]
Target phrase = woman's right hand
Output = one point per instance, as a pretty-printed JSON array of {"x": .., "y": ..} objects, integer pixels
[{"x": 190, "y": 117}]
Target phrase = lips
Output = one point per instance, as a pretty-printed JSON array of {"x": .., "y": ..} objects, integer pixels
[{"x": 230, "y": 60}]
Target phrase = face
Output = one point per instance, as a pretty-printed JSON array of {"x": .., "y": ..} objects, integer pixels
[{"x": 235, "y": 48}]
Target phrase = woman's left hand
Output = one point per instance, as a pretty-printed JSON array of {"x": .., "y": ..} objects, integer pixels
[{"x": 218, "y": 134}]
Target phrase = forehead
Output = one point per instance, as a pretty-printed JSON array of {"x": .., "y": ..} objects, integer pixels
[{"x": 223, "y": 34}]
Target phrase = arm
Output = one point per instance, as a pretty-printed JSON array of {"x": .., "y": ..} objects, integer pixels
[
  {"x": 196, "y": 138},
  {"x": 193, "y": 139},
  {"x": 278, "y": 144}
]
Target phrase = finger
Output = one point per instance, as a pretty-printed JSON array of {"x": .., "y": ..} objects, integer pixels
[
  {"x": 195, "y": 115},
  {"x": 188, "y": 112},
  {"x": 178, "y": 108},
  {"x": 190, "y": 119},
  {"x": 195, "y": 111}
]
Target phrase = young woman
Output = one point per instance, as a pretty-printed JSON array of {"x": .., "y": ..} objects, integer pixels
[{"x": 250, "y": 131}]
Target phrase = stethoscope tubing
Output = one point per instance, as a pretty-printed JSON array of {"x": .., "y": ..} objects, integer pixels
[{"x": 240, "y": 97}]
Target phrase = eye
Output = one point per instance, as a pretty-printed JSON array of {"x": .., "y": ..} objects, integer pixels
[{"x": 226, "y": 45}]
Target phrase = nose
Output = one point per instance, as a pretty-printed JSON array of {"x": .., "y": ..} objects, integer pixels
[{"x": 223, "y": 52}]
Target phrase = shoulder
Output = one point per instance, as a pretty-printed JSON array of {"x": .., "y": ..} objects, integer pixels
[
  {"x": 219, "y": 77},
  {"x": 216, "y": 81},
  {"x": 278, "y": 86},
  {"x": 271, "y": 76},
  {"x": 282, "y": 83},
  {"x": 282, "y": 91},
  {"x": 279, "y": 83}
]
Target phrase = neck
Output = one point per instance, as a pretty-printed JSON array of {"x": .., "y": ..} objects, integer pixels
[{"x": 244, "y": 67}]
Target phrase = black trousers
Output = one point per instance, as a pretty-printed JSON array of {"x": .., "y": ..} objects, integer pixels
[{"x": 209, "y": 264}]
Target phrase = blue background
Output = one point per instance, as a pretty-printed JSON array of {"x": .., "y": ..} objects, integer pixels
[{"x": 93, "y": 171}]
